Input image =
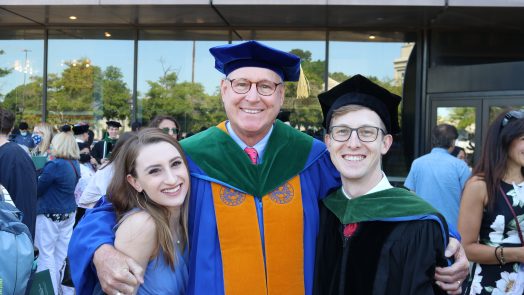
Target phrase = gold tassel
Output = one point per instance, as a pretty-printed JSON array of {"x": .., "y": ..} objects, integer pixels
[{"x": 302, "y": 85}]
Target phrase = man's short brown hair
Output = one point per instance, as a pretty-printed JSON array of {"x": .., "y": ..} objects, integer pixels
[
  {"x": 7, "y": 120},
  {"x": 444, "y": 136}
]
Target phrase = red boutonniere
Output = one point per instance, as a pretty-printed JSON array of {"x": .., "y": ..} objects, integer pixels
[{"x": 350, "y": 229}]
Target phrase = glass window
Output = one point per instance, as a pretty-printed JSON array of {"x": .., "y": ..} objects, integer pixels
[
  {"x": 384, "y": 63},
  {"x": 21, "y": 70},
  {"x": 178, "y": 78},
  {"x": 90, "y": 77},
  {"x": 464, "y": 119},
  {"x": 494, "y": 111}
]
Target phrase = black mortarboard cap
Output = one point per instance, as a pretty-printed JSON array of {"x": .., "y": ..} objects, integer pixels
[
  {"x": 65, "y": 128},
  {"x": 284, "y": 116},
  {"x": 113, "y": 124},
  {"x": 230, "y": 57},
  {"x": 80, "y": 129},
  {"x": 361, "y": 91},
  {"x": 23, "y": 126},
  {"x": 82, "y": 145}
]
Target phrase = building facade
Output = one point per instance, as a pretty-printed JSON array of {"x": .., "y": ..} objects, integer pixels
[{"x": 458, "y": 61}]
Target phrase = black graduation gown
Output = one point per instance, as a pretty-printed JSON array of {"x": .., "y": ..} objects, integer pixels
[
  {"x": 98, "y": 150},
  {"x": 379, "y": 258}
]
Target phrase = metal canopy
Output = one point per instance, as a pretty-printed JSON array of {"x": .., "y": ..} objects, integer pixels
[{"x": 304, "y": 20}]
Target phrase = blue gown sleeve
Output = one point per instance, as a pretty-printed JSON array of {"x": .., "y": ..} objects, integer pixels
[
  {"x": 326, "y": 177},
  {"x": 453, "y": 232},
  {"x": 94, "y": 230}
]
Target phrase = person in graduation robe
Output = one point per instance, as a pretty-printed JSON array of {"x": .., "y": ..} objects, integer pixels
[
  {"x": 255, "y": 187},
  {"x": 255, "y": 221},
  {"x": 102, "y": 149},
  {"x": 373, "y": 238}
]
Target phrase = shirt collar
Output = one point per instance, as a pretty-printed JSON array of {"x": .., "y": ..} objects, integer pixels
[
  {"x": 382, "y": 185},
  {"x": 439, "y": 150},
  {"x": 260, "y": 146}
]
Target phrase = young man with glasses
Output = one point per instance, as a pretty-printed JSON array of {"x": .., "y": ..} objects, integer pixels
[
  {"x": 255, "y": 187},
  {"x": 374, "y": 238}
]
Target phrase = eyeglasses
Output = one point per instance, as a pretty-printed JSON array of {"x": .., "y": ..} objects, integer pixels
[
  {"x": 264, "y": 87},
  {"x": 510, "y": 116},
  {"x": 364, "y": 133},
  {"x": 166, "y": 130}
]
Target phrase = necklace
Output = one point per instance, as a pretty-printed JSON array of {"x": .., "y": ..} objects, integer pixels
[{"x": 176, "y": 237}]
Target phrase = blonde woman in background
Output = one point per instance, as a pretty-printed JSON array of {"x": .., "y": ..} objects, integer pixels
[
  {"x": 42, "y": 136},
  {"x": 56, "y": 206}
]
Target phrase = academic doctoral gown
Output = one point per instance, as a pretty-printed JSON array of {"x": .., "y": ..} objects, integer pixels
[
  {"x": 98, "y": 149},
  {"x": 392, "y": 244},
  {"x": 289, "y": 154}
]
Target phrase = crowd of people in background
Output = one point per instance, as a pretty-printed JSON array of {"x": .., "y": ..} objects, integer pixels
[
  {"x": 55, "y": 173},
  {"x": 174, "y": 218}
]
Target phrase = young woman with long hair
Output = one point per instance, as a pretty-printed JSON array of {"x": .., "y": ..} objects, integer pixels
[
  {"x": 492, "y": 210},
  {"x": 150, "y": 193},
  {"x": 43, "y": 133}
]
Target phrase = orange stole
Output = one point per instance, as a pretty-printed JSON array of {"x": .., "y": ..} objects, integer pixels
[{"x": 241, "y": 248}]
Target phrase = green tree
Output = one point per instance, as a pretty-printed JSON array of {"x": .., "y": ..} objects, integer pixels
[
  {"x": 163, "y": 97},
  {"x": 26, "y": 101},
  {"x": 4, "y": 71},
  {"x": 71, "y": 95},
  {"x": 186, "y": 101},
  {"x": 462, "y": 117},
  {"x": 86, "y": 93},
  {"x": 338, "y": 76},
  {"x": 306, "y": 112},
  {"x": 116, "y": 97}
]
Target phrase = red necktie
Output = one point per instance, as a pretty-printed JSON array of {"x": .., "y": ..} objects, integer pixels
[{"x": 252, "y": 154}]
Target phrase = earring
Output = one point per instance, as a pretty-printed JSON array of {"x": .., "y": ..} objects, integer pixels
[
  {"x": 138, "y": 200},
  {"x": 145, "y": 196}
]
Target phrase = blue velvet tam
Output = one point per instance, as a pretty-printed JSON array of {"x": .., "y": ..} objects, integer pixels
[
  {"x": 358, "y": 90},
  {"x": 230, "y": 57}
]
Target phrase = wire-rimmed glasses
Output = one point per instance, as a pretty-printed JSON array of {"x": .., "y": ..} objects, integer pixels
[{"x": 264, "y": 87}]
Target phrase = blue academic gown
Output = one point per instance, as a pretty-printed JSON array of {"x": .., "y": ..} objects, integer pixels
[
  {"x": 205, "y": 269},
  {"x": 317, "y": 179}
]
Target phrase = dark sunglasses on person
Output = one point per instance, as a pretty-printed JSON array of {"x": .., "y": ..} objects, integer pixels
[
  {"x": 510, "y": 116},
  {"x": 166, "y": 130}
]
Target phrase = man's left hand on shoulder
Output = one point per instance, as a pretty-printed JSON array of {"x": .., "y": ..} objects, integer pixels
[{"x": 451, "y": 278}]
